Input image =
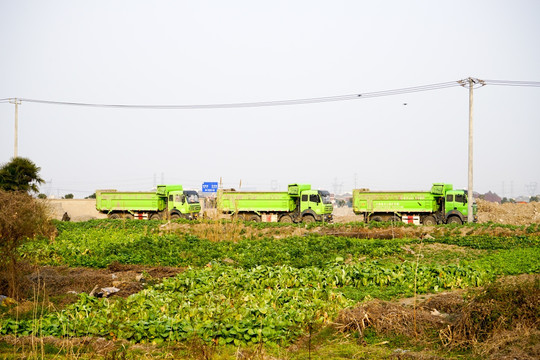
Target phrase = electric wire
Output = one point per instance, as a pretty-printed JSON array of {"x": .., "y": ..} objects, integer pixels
[
  {"x": 253, "y": 104},
  {"x": 513, "y": 83},
  {"x": 392, "y": 92}
]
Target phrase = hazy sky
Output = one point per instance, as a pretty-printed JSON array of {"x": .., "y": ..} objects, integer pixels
[{"x": 214, "y": 52}]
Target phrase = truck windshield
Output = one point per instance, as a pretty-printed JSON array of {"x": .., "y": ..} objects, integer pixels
[
  {"x": 191, "y": 197},
  {"x": 325, "y": 196}
]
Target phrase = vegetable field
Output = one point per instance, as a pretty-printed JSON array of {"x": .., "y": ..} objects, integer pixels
[{"x": 265, "y": 287}]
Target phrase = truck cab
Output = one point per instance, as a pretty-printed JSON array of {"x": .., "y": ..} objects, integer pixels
[
  {"x": 456, "y": 207},
  {"x": 316, "y": 203},
  {"x": 183, "y": 204}
]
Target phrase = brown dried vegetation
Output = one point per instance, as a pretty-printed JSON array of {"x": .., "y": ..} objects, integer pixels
[
  {"x": 22, "y": 218},
  {"x": 497, "y": 322}
]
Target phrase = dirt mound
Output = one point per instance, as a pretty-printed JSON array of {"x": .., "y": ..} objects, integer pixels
[{"x": 508, "y": 213}]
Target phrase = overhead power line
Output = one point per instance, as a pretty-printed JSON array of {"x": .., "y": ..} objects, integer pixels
[
  {"x": 253, "y": 104},
  {"x": 512, "y": 83},
  {"x": 315, "y": 100}
]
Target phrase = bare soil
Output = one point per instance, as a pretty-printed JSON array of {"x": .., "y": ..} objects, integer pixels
[
  {"x": 509, "y": 213},
  {"x": 59, "y": 285}
]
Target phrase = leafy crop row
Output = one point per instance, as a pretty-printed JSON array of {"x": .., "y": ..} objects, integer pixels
[
  {"x": 486, "y": 242},
  {"x": 100, "y": 243},
  {"x": 223, "y": 304},
  {"x": 99, "y": 247}
]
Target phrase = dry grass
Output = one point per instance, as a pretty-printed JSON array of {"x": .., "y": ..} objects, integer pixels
[
  {"x": 389, "y": 319},
  {"x": 489, "y": 316},
  {"x": 500, "y": 321}
]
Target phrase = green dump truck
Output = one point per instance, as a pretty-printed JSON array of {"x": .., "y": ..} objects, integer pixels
[
  {"x": 441, "y": 205},
  {"x": 168, "y": 201},
  {"x": 298, "y": 204}
]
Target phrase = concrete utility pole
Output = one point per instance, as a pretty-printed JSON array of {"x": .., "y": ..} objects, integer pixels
[
  {"x": 470, "y": 217},
  {"x": 17, "y": 102},
  {"x": 470, "y": 82}
]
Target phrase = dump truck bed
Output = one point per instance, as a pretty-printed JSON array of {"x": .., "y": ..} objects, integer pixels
[
  {"x": 107, "y": 201},
  {"x": 239, "y": 201},
  {"x": 396, "y": 202}
]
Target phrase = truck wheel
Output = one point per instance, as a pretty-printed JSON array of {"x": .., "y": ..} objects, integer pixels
[
  {"x": 254, "y": 218},
  {"x": 394, "y": 219},
  {"x": 175, "y": 217},
  {"x": 376, "y": 219},
  {"x": 155, "y": 217},
  {"x": 308, "y": 219},
  {"x": 114, "y": 216},
  {"x": 128, "y": 216},
  {"x": 285, "y": 219},
  {"x": 454, "y": 220},
  {"x": 429, "y": 221}
]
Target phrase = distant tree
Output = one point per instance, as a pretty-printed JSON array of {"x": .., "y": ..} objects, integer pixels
[
  {"x": 42, "y": 196},
  {"x": 93, "y": 196},
  {"x": 504, "y": 200},
  {"x": 534, "y": 198},
  {"x": 20, "y": 174},
  {"x": 68, "y": 196}
]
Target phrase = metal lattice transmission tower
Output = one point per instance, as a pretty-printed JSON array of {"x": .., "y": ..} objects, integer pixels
[
  {"x": 337, "y": 186},
  {"x": 531, "y": 188}
]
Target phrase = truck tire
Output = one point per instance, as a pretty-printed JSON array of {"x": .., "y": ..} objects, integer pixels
[
  {"x": 429, "y": 221},
  {"x": 394, "y": 219},
  {"x": 285, "y": 219},
  {"x": 254, "y": 218},
  {"x": 128, "y": 216},
  {"x": 155, "y": 217},
  {"x": 308, "y": 219},
  {"x": 175, "y": 217},
  {"x": 376, "y": 218},
  {"x": 454, "y": 220},
  {"x": 114, "y": 216}
]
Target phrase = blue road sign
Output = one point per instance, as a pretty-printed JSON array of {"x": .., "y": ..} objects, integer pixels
[{"x": 209, "y": 187}]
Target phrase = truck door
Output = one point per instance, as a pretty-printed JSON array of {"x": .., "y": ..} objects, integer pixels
[
  {"x": 314, "y": 203},
  {"x": 460, "y": 201},
  {"x": 449, "y": 203},
  {"x": 176, "y": 201},
  {"x": 304, "y": 202},
  {"x": 456, "y": 201},
  {"x": 311, "y": 201}
]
